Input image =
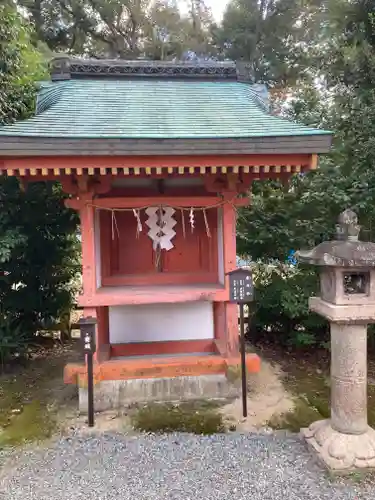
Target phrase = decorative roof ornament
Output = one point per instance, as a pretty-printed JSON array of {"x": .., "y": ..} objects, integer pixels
[
  {"x": 348, "y": 227},
  {"x": 245, "y": 72},
  {"x": 60, "y": 68}
]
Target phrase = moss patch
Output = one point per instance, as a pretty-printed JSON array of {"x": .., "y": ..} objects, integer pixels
[
  {"x": 302, "y": 416},
  {"x": 33, "y": 423},
  {"x": 32, "y": 398},
  {"x": 311, "y": 391},
  {"x": 309, "y": 381},
  {"x": 197, "y": 418}
]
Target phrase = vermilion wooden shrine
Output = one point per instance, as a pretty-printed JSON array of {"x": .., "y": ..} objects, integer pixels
[{"x": 157, "y": 157}]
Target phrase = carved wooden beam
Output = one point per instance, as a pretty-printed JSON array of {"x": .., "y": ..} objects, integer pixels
[
  {"x": 239, "y": 183},
  {"x": 84, "y": 183}
]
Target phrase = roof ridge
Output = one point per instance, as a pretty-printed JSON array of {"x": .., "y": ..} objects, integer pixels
[{"x": 64, "y": 68}]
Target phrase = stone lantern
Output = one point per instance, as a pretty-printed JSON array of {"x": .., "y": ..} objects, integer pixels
[{"x": 347, "y": 300}]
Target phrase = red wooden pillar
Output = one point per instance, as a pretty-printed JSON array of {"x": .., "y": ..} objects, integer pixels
[
  {"x": 87, "y": 218},
  {"x": 230, "y": 257},
  {"x": 86, "y": 212}
]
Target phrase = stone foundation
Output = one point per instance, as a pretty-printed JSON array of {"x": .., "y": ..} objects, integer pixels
[
  {"x": 114, "y": 394},
  {"x": 339, "y": 451}
]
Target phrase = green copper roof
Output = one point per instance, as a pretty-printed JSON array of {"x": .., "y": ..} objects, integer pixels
[{"x": 152, "y": 109}]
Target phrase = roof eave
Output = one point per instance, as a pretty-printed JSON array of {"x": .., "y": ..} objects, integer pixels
[{"x": 21, "y": 146}]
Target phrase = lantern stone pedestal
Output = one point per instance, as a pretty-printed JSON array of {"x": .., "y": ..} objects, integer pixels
[{"x": 345, "y": 442}]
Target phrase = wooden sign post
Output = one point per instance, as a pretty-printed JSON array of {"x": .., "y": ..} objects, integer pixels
[
  {"x": 87, "y": 326},
  {"x": 241, "y": 293}
]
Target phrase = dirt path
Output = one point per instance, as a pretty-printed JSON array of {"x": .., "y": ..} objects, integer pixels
[{"x": 267, "y": 399}]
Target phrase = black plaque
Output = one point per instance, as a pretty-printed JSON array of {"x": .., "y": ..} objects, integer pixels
[
  {"x": 88, "y": 326},
  {"x": 242, "y": 292},
  {"x": 241, "y": 286}
]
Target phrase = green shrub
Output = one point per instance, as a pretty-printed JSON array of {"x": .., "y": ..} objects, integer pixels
[
  {"x": 14, "y": 341},
  {"x": 281, "y": 313}
]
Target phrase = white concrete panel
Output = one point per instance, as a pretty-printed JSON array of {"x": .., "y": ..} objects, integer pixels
[{"x": 161, "y": 322}]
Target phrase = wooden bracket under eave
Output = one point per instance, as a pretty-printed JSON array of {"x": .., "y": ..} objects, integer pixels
[
  {"x": 85, "y": 184},
  {"x": 314, "y": 161},
  {"x": 220, "y": 183}
]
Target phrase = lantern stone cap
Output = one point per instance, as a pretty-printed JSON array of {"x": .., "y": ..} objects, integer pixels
[
  {"x": 345, "y": 250},
  {"x": 239, "y": 270},
  {"x": 89, "y": 320}
]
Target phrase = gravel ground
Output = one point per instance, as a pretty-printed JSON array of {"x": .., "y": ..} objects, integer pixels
[{"x": 175, "y": 466}]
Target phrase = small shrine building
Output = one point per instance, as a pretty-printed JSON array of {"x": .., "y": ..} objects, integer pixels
[{"x": 156, "y": 157}]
